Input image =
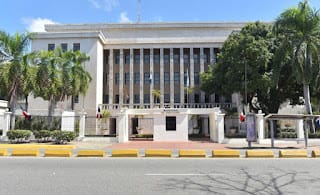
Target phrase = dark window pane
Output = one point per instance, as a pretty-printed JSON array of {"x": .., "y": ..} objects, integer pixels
[
  {"x": 170, "y": 123},
  {"x": 51, "y": 47},
  {"x": 64, "y": 46},
  {"x": 76, "y": 47}
]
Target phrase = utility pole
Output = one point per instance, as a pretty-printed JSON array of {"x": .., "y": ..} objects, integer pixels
[{"x": 138, "y": 19}]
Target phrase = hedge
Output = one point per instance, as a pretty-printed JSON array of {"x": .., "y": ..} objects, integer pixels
[
  {"x": 19, "y": 136},
  {"x": 42, "y": 135},
  {"x": 62, "y": 137}
]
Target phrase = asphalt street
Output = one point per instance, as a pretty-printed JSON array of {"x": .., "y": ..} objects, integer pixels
[{"x": 158, "y": 176}]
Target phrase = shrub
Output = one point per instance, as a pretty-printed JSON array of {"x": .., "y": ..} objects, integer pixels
[
  {"x": 42, "y": 135},
  {"x": 19, "y": 136},
  {"x": 62, "y": 137}
]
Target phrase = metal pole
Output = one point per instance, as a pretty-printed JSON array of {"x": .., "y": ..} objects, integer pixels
[{"x": 272, "y": 133}]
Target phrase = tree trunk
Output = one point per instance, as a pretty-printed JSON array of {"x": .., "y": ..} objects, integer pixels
[
  {"x": 306, "y": 93},
  {"x": 13, "y": 103},
  {"x": 51, "y": 108},
  {"x": 27, "y": 103},
  {"x": 72, "y": 102}
]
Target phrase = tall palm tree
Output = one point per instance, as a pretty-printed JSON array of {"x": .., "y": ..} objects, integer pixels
[
  {"x": 13, "y": 48},
  {"x": 299, "y": 31}
]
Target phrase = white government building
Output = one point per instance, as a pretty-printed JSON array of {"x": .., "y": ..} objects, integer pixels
[{"x": 129, "y": 62}]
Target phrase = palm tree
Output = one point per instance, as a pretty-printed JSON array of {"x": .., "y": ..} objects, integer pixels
[
  {"x": 12, "y": 49},
  {"x": 299, "y": 30},
  {"x": 156, "y": 94}
]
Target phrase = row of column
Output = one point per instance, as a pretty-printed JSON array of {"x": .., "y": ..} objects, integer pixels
[{"x": 141, "y": 94}]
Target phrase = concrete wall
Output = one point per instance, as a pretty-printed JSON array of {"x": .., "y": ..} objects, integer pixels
[
  {"x": 93, "y": 48},
  {"x": 181, "y": 133}
]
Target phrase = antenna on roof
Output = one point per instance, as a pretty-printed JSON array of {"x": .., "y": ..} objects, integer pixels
[{"x": 138, "y": 19}]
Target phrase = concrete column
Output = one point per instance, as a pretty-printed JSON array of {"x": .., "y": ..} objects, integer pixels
[
  {"x": 212, "y": 62},
  {"x": 202, "y": 94},
  {"x": 121, "y": 78},
  {"x": 171, "y": 79},
  {"x": 299, "y": 129},
  {"x": 123, "y": 126},
  {"x": 111, "y": 77},
  {"x": 152, "y": 77},
  {"x": 181, "y": 76},
  {"x": 131, "y": 78},
  {"x": 219, "y": 136},
  {"x": 161, "y": 78},
  {"x": 141, "y": 76},
  {"x": 6, "y": 127},
  {"x": 260, "y": 126},
  {"x": 191, "y": 75},
  {"x": 82, "y": 125}
]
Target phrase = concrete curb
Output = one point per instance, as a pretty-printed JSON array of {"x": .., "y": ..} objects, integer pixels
[
  {"x": 192, "y": 153},
  {"x": 315, "y": 153},
  {"x": 225, "y": 153},
  {"x": 25, "y": 152},
  {"x": 3, "y": 152},
  {"x": 91, "y": 153},
  {"x": 259, "y": 154},
  {"x": 293, "y": 154},
  {"x": 157, "y": 153},
  {"x": 125, "y": 153},
  {"x": 58, "y": 153}
]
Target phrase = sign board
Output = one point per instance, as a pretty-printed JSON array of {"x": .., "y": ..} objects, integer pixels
[{"x": 251, "y": 128}]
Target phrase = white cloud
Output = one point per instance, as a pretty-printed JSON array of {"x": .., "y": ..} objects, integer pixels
[
  {"x": 37, "y": 24},
  {"x": 106, "y": 5},
  {"x": 124, "y": 18}
]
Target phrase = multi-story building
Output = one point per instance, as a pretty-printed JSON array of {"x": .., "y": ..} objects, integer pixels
[{"x": 131, "y": 63}]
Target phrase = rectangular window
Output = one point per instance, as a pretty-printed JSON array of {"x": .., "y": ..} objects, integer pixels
[
  {"x": 136, "y": 59},
  {"x": 176, "y": 59},
  {"x": 156, "y": 78},
  {"x": 136, "y": 99},
  {"x": 117, "y": 78},
  {"x": 186, "y": 78},
  {"x": 116, "y": 100},
  {"x": 76, "y": 99},
  {"x": 166, "y": 98},
  {"x": 156, "y": 59},
  {"x": 117, "y": 58},
  {"x": 76, "y": 47},
  {"x": 166, "y": 78},
  {"x": 186, "y": 59},
  {"x": 171, "y": 123},
  {"x": 196, "y": 78},
  {"x": 106, "y": 99},
  {"x": 51, "y": 47},
  {"x": 196, "y": 58},
  {"x": 166, "y": 59},
  {"x": 127, "y": 78},
  {"x": 146, "y": 78},
  {"x": 206, "y": 59},
  {"x": 176, "y": 98},
  {"x": 127, "y": 58},
  {"x": 146, "y": 98},
  {"x": 176, "y": 78},
  {"x": 196, "y": 98},
  {"x": 136, "y": 78},
  {"x": 64, "y": 47},
  {"x": 146, "y": 59}
]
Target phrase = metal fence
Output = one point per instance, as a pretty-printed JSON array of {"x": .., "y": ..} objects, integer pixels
[{"x": 100, "y": 126}]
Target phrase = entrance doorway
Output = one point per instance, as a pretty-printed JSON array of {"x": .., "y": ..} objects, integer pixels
[
  {"x": 113, "y": 126},
  {"x": 135, "y": 124}
]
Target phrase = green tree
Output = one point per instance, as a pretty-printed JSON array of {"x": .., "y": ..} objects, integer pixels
[
  {"x": 299, "y": 29},
  {"x": 13, "y": 70},
  {"x": 246, "y": 66}
]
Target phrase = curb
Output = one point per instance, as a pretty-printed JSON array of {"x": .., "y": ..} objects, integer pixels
[
  {"x": 293, "y": 154},
  {"x": 315, "y": 153},
  {"x": 225, "y": 153},
  {"x": 192, "y": 153},
  {"x": 125, "y": 153},
  {"x": 37, "y": 146},
  {"x": 58, "y": 153},
  {"x": 91, "y": 153},
  {"x": 3, "y": 152},
  {"x": 157, "y": 153},
  {"x": 259, "y": 154},
  {"x": 25, "y": 152}
]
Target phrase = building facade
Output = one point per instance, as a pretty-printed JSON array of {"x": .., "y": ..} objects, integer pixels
[{"x": 143, "y": 65}]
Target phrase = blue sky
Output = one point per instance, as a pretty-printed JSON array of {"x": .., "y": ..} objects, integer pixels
[{"x": 20, "y": 15}]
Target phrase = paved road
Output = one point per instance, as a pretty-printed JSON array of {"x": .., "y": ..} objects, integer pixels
[{"x": 158, "y": 176}]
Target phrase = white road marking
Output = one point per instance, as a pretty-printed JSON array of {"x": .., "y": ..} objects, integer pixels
[{"x": 183, "y": 174}]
